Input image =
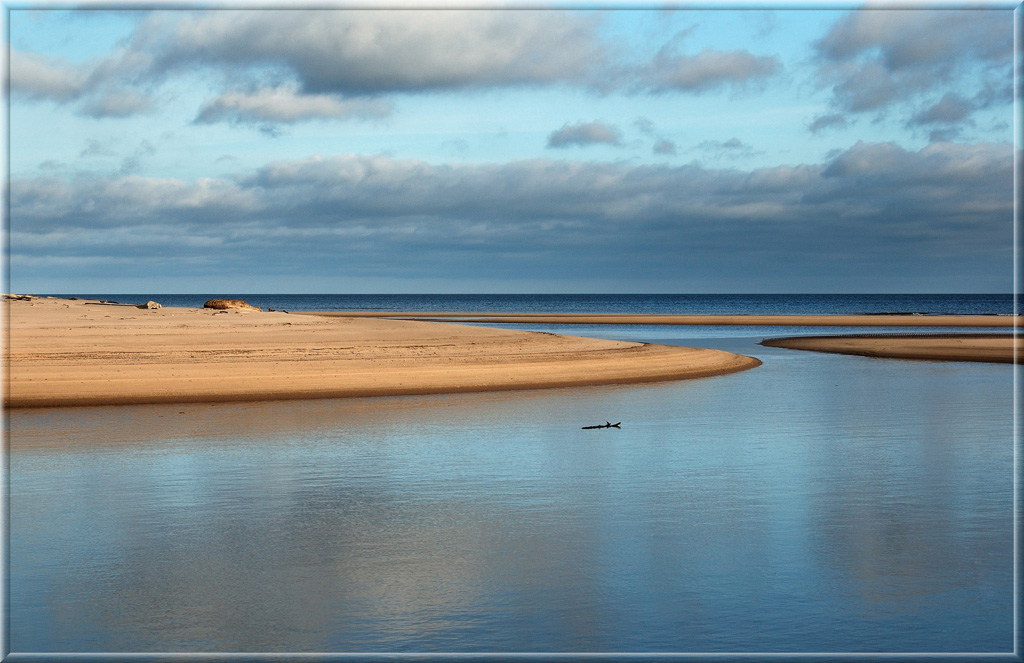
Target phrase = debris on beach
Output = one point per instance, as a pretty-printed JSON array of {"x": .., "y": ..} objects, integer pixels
[{"x": 606, "y": 424}]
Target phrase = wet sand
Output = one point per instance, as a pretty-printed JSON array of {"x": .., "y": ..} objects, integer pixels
[
  {"x": 882, "y": 320},
  {"x": 936, "y": 347},
  {"x": 79, "y": 352}
]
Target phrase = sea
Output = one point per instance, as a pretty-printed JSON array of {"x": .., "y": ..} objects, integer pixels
[
  {"x": 818, "y": 507},
  {"x": 770, "y": 304}
]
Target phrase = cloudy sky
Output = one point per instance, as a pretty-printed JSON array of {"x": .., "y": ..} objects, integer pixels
[{"x": 511, "y": 151}]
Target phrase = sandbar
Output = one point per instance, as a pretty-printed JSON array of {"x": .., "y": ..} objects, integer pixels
[
  {"x": 868, "y": 320},
  {"x": 63, "y": 352},
  {"x": 999, "y": 348}
]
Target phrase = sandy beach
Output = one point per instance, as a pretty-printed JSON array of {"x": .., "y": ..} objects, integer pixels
[
  {"x": 79, "y": 352},
  {"x": 998, "y": 348},
  {"x": 881, "y": 320}
]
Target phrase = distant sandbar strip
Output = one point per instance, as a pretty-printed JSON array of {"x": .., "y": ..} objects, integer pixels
[
  {"x": 878, "y": 320},
  {"x": 998, "y": 348}
]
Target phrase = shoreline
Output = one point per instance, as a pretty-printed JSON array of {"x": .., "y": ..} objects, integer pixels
[
  {"x": 64, "y": 352},
  {"x": 989, "y": 348},
  {"x": 842, "y": 320}
]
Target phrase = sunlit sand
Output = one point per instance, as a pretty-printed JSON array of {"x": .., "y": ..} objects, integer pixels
[{"x": 76, "y": 352}]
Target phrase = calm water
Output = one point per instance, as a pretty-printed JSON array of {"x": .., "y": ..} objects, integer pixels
[
  {"x": 818, "y": 503},
  {"x": 694, "y": 304}
]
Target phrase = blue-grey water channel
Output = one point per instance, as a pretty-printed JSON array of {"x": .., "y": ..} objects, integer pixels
[{"x": 818, "y": 503}]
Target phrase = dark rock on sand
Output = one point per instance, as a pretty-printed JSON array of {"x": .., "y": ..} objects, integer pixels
[{"x": 223, "y": 304}]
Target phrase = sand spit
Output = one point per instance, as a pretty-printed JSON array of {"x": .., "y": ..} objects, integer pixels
[
  {"x": 936, "y": 347},
  {"x": 882, "y": 320},
  {"x": 82, "y": 352}
]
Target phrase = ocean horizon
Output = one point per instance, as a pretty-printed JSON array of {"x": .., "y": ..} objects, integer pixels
[{"x": 722, "y": 304}]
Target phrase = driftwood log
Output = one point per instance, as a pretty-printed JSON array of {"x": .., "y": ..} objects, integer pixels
[{"x": 604, "y": 425}]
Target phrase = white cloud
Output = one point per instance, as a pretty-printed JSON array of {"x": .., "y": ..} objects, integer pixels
[
  {"x": 916, "y": 38},
  {"x": 42, "y": 77},
  {"x": 293, "y": 65},
  {"x": 367, "y": 52},
  {"x": 582, "y": 134},
  {"x": 827, "y": 121},
  {"x": 937, "y": 213},
  {"x": 709, "y": 69},
  {"x": 878, "y": 61},
  {"x": 733, "y": 148},
  {"x": 664, "y": 146},
  {"x": 950, "y": 109},
  {"x": 939, "y": 181},
  {"x": 117, "y": 103},
  {"x": 286, "y": 105},
  {"x": 94, "y": 88}
]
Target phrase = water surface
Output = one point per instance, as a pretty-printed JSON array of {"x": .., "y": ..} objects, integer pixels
[
  {"x": 819, "y": 503},
  {"x": 730, "y": 304}
]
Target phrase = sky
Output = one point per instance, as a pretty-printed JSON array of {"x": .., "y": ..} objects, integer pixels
[{"x": 572, "y": 150}]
